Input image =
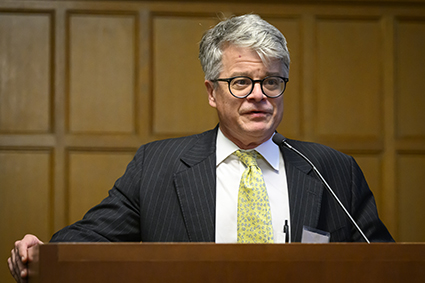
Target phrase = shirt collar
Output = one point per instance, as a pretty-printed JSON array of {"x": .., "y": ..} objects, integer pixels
[{"x": 269, "y": 150}]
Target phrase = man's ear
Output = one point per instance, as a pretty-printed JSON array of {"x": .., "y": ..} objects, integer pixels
[{"x": 211, "y": 93}]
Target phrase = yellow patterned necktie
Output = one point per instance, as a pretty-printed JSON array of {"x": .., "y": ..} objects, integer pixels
[{"x": 254, "y": 216}]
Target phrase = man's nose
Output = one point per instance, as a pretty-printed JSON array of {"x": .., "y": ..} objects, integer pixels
[{"x": 257, "y": 93}]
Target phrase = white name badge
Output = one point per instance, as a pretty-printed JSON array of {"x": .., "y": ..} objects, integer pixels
[{"x": 314, "y": 236}]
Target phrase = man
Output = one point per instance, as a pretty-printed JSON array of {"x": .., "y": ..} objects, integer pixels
[{"x": 189, "y": 188}]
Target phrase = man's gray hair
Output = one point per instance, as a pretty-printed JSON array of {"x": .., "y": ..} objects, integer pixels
[{"x": 244, "y": 31}]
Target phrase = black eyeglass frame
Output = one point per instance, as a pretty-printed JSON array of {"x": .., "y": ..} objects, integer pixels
[{"x": 229, "y": 80}]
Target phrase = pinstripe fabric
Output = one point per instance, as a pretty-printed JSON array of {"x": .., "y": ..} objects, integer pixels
[
  {"x": 312, "y": 205},
  {"x": 167, "y": 194}
]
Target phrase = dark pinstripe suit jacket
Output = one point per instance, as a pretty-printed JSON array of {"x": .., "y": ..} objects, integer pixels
[{"x": 168, "y": 194}]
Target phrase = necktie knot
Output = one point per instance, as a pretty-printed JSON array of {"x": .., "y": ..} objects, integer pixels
[{"x": 249, "y": 158}]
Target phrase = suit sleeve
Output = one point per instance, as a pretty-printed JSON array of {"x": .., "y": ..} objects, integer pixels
[
  {"x": 364, "y": 209},
  {"x": 116, "y": 218}
]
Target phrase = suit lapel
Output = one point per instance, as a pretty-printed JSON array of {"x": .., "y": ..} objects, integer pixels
[
  {"x": 305, "y": 193},
  {"x": 196, "y": 188}
]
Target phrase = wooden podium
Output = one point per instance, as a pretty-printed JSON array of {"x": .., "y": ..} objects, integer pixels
[{"x": 209, "y": 262}]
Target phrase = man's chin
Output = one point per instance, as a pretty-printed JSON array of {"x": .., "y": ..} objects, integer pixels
[{"x": 259, "y": 130}]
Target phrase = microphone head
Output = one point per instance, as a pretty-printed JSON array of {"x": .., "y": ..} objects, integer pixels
[{"x": 278, "y": 139}]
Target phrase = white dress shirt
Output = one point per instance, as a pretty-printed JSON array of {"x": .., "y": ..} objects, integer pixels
[{"x": 229, "y": 172}]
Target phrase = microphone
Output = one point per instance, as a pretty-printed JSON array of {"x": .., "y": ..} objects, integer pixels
[{"x": 280, "y": 141}]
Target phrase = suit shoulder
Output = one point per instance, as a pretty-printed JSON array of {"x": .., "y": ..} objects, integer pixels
[
  {"x": 179, "y": 144},
  {"x": 181, "y": 140},
  {"x": 318, "y": 151}
]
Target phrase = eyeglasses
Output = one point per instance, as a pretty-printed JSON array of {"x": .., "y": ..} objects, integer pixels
[{"x": 241, "y": 86}]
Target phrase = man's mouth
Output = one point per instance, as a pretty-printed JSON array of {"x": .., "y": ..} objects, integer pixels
[{"x": 257, "y": 112}]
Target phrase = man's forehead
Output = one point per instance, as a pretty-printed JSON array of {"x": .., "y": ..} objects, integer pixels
[{"x": 234, "y": 54}]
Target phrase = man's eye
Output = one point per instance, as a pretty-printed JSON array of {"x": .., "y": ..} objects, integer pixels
[
  {"x": 272, "y": 82},
  {"x": 241, "y": 82}
]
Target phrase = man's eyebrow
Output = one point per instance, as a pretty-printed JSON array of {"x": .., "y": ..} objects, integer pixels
[
  {"x": 273, "y": 74},
  {"x": 247, "y": 74},
  {"x": 236, "y": 74}
]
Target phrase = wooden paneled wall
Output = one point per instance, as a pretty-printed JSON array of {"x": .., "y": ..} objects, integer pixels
[{"x": 84, "y": 84}]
